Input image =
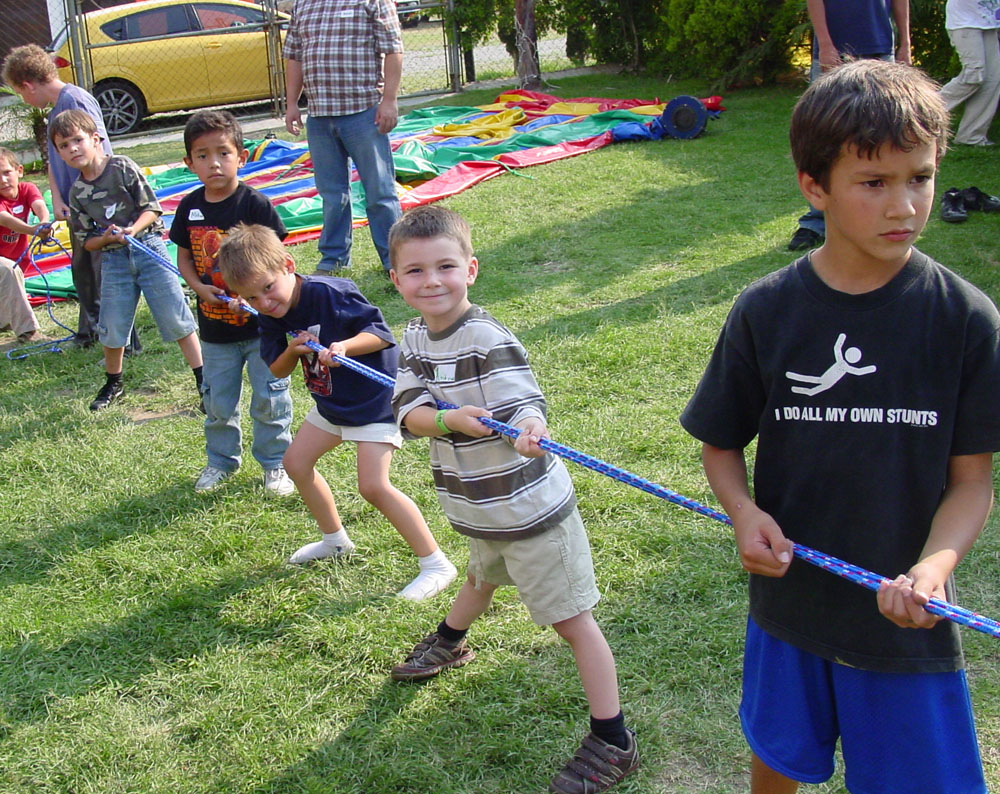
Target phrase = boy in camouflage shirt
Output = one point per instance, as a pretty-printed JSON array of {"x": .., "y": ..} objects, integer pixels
[{"x": 108, "y": 202}]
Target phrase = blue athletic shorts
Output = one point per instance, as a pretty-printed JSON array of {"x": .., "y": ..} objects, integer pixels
[{"x": 899, "y": 732}]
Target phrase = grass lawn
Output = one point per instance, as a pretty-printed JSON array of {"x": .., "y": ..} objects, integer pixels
[{"x": 154, "y": 640}]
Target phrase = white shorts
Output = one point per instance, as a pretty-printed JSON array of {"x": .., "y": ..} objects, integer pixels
[{"x": 379, "y": 432}]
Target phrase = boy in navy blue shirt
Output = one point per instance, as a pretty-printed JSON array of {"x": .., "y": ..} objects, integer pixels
[{"x": 348, "y": 406}]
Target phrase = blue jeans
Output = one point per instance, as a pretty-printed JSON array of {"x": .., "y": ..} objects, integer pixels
[
  {"x": 332, "y": 139},
  {"x": 125, "y": 273},
  {"x": 270, "y": 405}
]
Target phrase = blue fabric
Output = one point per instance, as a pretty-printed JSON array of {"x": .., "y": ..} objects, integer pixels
[
  {"x": 334, "y": 309},
  {"x": 332, "y": 139},
  {"x": 127, "y": 271},
  {"x": 270, "y": 405},
  {"x": 896, "y": 729},
  {"x": 814, "y": 220}
]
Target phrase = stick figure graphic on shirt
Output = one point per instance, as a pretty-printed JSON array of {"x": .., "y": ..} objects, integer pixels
[{"x": 842, "y": 365}]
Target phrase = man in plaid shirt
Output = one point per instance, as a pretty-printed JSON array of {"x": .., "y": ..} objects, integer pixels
[{"x": 348, "y": 57}]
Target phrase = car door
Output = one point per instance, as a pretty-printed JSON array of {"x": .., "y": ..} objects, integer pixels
[
  {"x": 235, "y": 51},
  {"x": 168, "y": 67}
]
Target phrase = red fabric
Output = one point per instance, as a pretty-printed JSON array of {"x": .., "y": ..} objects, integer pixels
[
  {"x": 533, "y": 100},
  {"x": 12, "y": 244}
]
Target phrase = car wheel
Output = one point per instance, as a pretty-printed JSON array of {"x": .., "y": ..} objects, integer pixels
[{"x": 122, "y": 106}]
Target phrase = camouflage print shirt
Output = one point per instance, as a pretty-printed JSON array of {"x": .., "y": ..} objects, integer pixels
[{"x": 118, "y": 196}]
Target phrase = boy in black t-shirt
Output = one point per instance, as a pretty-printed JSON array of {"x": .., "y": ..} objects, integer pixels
[
  {"x": 868, "y": 373},
  {"x": 229, "y": 339}
]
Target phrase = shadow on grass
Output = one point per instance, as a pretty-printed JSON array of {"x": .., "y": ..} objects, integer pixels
[
  {"x": 559, "y": 260},
  {"x": 182, "y": 625}
]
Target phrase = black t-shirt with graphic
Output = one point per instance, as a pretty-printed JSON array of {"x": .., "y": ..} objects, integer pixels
[
  {"x": 857, "y": 403},
  {"x": 200, "y": 226}
]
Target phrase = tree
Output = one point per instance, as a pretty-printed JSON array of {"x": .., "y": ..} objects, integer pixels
[{"x": 529, "y": 71}]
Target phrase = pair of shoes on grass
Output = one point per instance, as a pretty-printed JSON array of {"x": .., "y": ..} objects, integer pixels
[
  {"x": 276, "y": 480},
  {"x": 596, "y": 766},
  {"x": 804, "y": 239},
  {"x": 956, "y": 204},
  {"x": 434, "y": 576}
]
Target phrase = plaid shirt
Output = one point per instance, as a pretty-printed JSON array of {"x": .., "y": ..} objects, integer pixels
[{"x": 340, "y": 44}]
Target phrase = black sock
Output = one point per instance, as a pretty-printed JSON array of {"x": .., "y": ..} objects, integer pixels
[
  {"x": 611, "y": 730},
  {"x": 449, "y": 634},
  {"x": 113, "y": 378},
  {"x": 197, "y": 376}
]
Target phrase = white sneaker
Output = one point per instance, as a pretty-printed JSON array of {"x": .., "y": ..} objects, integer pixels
[
  {"x": 321, "y": 550},
  {"x": 429, "y": 583},
  {"x": 278, "y": 483},
  {"x": 210, "y": 479}
]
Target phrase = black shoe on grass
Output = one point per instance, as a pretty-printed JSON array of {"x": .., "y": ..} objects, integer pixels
[
  {"x": 804, "y": 239},
  {"x": 110, "y": 392},
  {"x": 953, "y": 206}
]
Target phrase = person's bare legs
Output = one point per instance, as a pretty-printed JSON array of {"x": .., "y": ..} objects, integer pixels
[
  {"x": 308, "y": 446},
  {"x": 764, "y": 780},
  {"x": 436, "y": 571},
  {"x": 469, "y": 604},
  {"x": 595, "y": 663},
  {"x": 190, "y": 347}
]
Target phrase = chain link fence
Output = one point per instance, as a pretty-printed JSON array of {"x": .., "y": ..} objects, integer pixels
[{"x": 150, "y": 63}]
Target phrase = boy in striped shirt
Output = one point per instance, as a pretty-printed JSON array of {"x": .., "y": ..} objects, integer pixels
[{"x": 514, "y": 501}]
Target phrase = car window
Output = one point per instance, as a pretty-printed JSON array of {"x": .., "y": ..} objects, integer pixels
[
  {"x": 157, "y": 22},
  {"x": 115, "y": 29},
  {"x": 216, "y": 16}
]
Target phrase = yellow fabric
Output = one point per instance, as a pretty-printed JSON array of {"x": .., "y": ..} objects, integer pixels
[{"x": 496, "y": 127}]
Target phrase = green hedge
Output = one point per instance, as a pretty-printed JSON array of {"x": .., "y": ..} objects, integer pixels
[{"x": 727, "y": 41}]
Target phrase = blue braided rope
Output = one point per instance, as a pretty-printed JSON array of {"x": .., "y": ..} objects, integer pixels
[{"x": 829, "y": 563}]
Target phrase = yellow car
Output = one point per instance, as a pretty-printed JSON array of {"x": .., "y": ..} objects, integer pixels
[{"x": 158, "y": 55}]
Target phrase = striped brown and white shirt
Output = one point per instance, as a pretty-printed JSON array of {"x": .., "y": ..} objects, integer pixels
[
  {"x": 340, "y": 44},
  {"x": 487, "y": 490}
]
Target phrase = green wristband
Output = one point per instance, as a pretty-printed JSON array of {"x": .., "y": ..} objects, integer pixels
[{"x": 439, "y": 421}]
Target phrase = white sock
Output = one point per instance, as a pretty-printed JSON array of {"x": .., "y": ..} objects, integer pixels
[
  {"x": 436, "y": 573},
  {"x": 435, "y": 561},
  {"x": 334, "y": 544}
]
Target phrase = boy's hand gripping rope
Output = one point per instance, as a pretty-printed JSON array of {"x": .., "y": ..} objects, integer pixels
[
  {"x": 845, "y": 570},
  {"x": 38, "y": 238},
  {"x": 836, "y": 566}
]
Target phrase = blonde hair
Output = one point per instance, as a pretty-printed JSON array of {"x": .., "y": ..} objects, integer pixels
[
  {"x": 9, "y": 156},
  {"x": 250, "y": 251},
  {"x": 423, "y": 223},
  {"x": 28, "y": 64}
]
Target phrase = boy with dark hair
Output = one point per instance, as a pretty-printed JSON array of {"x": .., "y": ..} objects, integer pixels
[
  {"x": 514, "y": 501},
  {"x": 110, "y": 201},
  {"x": 18, "y": 200},
  {"x": 30, "y": 72},
  {"x": 213, "y": 142},
  {"x": 349, "y": 407},
  {"x": 880, "y": 454}
]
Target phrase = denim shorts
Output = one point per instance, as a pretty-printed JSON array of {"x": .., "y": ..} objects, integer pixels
[
  {"x": 899, "y": 732},
  {"x": 553, "y": 571},
  {"x": 127, "y": 272}
]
